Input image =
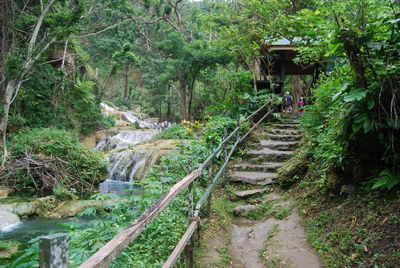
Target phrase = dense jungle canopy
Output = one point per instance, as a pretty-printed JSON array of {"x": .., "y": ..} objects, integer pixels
[{"x": 188, "y": 60}]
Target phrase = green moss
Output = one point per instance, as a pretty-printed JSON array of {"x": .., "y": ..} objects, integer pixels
[{"x": 294, "y": 169}]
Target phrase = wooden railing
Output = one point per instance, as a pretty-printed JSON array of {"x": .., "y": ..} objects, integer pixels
[{"x": 104, "y": 256}]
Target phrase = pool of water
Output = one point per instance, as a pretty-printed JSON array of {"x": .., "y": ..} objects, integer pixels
[{"x": 33, "y": 227}]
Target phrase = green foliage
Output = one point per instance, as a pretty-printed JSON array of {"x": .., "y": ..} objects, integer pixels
[
  {"x": 175, "y": 132},
  {"x": 386, "y": 179},
  {"x": 83, "y": 101},
  {"x": 52, "y": 161},
  {"x": 351, "y": 131}
]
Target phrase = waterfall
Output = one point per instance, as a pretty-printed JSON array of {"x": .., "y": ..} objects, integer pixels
[
  {"x": 134, "y": 119},
  {"x": 126, "y": 165},
  {"x": 124, "y": 139}
]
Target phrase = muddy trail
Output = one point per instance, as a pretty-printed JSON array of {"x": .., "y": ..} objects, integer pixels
[{"x": 262, "y": 228}]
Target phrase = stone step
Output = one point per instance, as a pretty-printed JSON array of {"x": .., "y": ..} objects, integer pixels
[
  {"x": 266, "y": 166},
  {"x": 255, "y": 178},
  {"x": 289, "y": 120},
  {"x": 267, "y": 154},
  {"x": 286, "y": 125},
  {"x": 248, "y": 193},
  {"x": 284, "y": 131},
  {"x": 275, "y": 145},
  {"x": 281, "y": 137}
]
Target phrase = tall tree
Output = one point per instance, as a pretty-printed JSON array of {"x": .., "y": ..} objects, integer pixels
[{"x": 43, "y": 24}]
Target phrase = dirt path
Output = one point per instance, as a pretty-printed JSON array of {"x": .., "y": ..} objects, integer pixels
[{"x": 265, "y": 230}]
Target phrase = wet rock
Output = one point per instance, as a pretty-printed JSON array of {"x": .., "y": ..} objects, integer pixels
[
  {"x": 72, "y": 208},
  {"x": 21, "y": 209}
]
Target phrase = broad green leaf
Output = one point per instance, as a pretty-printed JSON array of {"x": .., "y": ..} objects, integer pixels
[
  {"x": 367, "y": 125},
  {"x": 356, "y": 126},
  {"x": 357, "y": 94},
  {"x": 340, "y": 92},
  {"x": 371, "y": 103}
]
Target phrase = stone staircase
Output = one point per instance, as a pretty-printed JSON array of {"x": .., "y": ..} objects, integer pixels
[
  {"x": 265, "y": 157},
  {"x": 265, "y": 230}
]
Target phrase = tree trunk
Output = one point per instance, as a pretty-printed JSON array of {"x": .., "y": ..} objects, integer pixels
[
  {"x": 297, "y": 91},
  {"x": 182, "y": 89},
  {"x": 191, "y": 96},
  {"x": 354, "y": 55},
  {"x": 169, "y": 102},
  {"x": 126, "y": 82},
  {"x": 10, "y": 89}
]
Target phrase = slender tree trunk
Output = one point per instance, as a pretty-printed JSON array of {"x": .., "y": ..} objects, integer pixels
[
  {"x": 182, "y": 89},
  {"x": 126, "y": 82},
  {"x": 11, "y": 86},
  {"x": 169, "y": 102},
  {"x": 191, "y": 97}
]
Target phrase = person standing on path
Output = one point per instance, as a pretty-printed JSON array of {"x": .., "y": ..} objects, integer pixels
[{"x": 287, "y": 102}]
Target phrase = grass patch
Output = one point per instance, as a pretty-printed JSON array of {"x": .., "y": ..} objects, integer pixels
[{"x": 216, "y": 233}]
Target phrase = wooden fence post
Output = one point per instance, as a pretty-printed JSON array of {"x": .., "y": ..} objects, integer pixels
[{"x": 54, "y": 251}]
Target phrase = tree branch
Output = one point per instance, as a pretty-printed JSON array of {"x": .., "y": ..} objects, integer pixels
[{"x": 38, "y": 26}]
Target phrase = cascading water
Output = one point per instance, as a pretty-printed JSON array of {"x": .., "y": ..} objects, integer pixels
[
  {"x": 125, "y": 165},
  {"x": 124, "y": 139},
  {"x": 134, "y": 119}
]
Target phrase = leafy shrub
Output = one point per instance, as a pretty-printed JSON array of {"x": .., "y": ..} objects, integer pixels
[
  {"x": 109, "y": 121},
  {"x": 174, "y": 132},
  {"x": 52, "y": 161}
]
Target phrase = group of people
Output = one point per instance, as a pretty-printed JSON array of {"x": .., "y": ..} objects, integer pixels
[
  {"x": 161, "y": 125},
  {"x": 288, "y": 103}
]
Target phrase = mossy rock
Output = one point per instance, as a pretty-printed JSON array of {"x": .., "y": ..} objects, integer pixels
[{"x": 294, "y": 169}]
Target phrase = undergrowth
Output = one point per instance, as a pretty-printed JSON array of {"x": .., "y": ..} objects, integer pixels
[{"x": 359, "y": 229}]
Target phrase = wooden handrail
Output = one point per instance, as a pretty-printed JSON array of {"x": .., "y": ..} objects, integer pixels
[
  {"x": 115, "y": 246},
  {"x": 182, "y": 243}
]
